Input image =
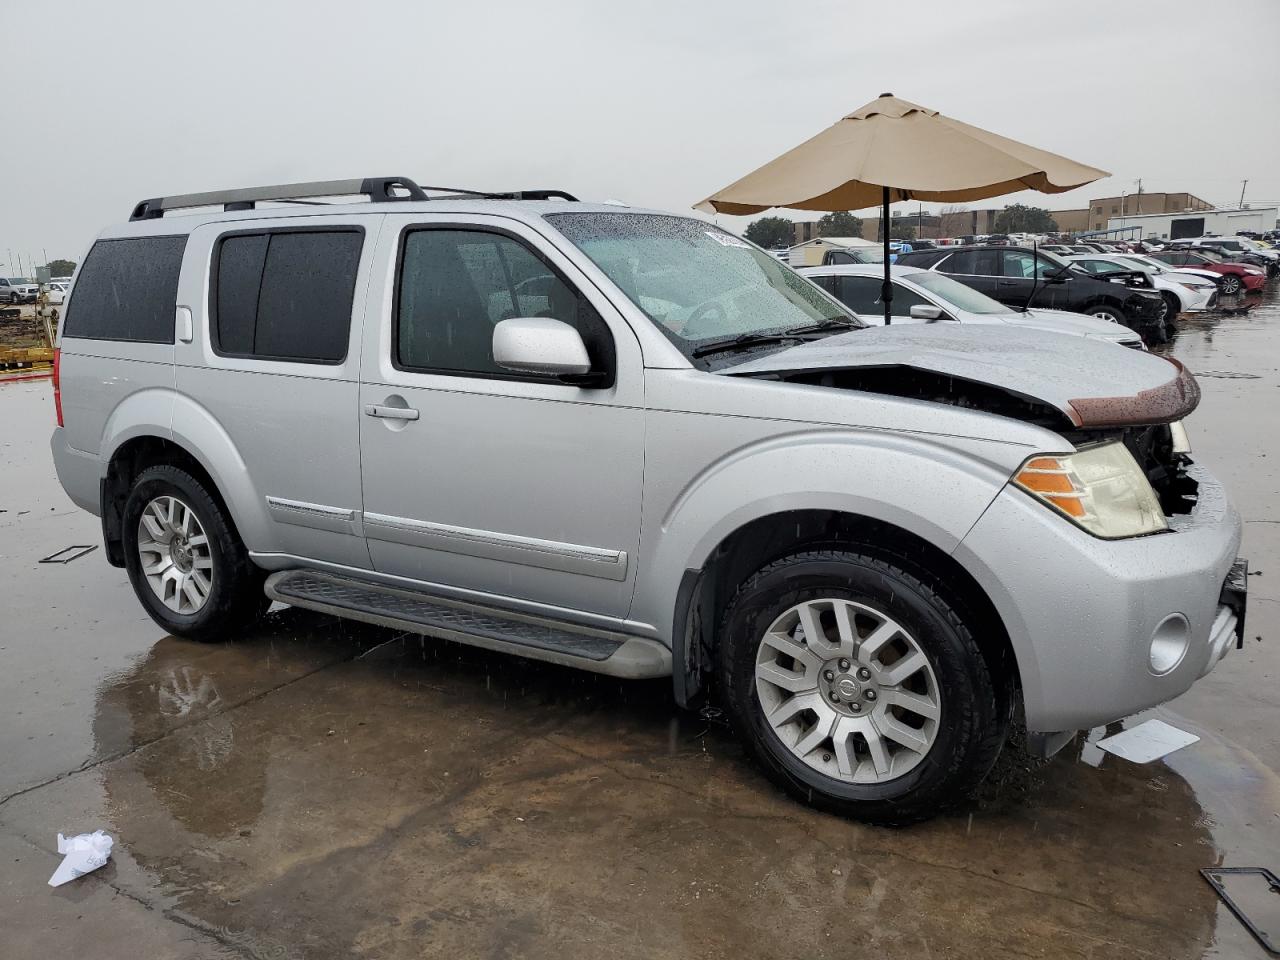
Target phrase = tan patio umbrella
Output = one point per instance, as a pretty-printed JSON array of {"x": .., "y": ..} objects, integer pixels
[{"x": 895, "y": 150}]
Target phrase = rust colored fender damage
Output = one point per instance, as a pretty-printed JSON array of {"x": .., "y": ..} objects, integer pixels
[{"x": 1163, "y": 404}]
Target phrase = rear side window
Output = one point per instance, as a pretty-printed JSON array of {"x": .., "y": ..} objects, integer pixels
[
  {"x": 285, "y": 295},
  {"x": 127, "y": 290},
  {"x": 981, "y": 263}
]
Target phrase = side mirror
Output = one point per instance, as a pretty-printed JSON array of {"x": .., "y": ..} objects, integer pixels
[
  {"x": 540, "y": 345},
  {"x": 922, "y": 311}
]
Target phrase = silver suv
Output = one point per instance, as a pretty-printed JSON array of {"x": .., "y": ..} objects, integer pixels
[{"x": 633, "y": 443}]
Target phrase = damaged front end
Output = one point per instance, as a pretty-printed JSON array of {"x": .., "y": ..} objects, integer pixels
[{"x": 1089, "y": 394}]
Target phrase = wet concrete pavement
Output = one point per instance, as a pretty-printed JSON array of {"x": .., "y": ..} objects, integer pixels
[{"x": 323, "y": 789}]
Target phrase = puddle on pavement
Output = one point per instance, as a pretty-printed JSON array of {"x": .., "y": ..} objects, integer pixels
[{"x": 414, "y": 792}]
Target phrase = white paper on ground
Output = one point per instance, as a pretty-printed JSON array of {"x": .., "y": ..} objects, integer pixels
[
  {"x": 82, "y": 854},
  {"x": 1147, "y": 741}
]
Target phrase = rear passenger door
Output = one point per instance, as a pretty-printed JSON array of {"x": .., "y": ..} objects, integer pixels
[
  {"x": 494, "y": 483},
  {"x": 274, "y": 359},
  {"x": 862, "y": 296},
  {"x": 975, "y": 268}
]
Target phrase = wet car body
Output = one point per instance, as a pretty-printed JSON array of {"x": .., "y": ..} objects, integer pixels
[
  {"x": 1001, "y": 275},
  {"x": 862, "y": 296},
  {"x": 644, "y": 498}
]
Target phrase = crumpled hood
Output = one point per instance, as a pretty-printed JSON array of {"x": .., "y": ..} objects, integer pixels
[{"x": 1094, "y": 383}]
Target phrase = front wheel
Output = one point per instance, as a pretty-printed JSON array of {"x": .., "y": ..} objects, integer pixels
[
  {"x": 1231, "y": 284},
  {"x": 858, "y": 687},
  {"x": 1172, "y": 307},
  {"x": 1104, "y": 312},
  {"x": 184, "y": 559}
]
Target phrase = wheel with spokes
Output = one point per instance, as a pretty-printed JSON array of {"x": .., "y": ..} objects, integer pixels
[
  {"x": 859, "y": 687},
  {"x": 186, "y": 563}
]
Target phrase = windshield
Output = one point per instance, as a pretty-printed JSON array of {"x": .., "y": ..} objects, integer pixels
[
  {"x": 1155, "y": 266},
  {"x": 694, "y": 280},
  {"x": 957, "y": 294}
]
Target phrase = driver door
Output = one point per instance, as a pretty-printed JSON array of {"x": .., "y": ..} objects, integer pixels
[{"x": 478, "y": 480}]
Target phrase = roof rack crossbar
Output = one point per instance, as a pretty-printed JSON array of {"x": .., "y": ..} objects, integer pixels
[{"x": 377, "y": 189}]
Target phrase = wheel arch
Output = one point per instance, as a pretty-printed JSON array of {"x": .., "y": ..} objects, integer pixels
[
  {"x": 195, "y": 441},
  {"x": 705, "y": 591}
]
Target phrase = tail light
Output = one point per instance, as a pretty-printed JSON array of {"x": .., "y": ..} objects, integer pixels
[{"x": 57, "y": 383}]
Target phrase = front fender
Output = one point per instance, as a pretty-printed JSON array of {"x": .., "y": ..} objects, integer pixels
[{"x": 934, "y": 491}]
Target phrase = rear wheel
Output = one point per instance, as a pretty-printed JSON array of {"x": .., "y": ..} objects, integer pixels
[
  {"x": 185, "y": 561},
  {"x": 858, "y": 687}
]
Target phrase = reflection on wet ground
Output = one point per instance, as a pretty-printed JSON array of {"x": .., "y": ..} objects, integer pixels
[{"x": 325, "y": 789}]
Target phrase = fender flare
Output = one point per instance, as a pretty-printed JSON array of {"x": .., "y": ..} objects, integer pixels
[
  {"x": 930, "y": 491},
  {"x": 164, "y": 413}
]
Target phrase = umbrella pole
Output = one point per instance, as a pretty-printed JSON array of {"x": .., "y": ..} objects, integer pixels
[{"x": 886, "y": 291}]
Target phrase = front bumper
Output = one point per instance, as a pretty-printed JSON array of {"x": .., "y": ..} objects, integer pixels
[
  {"x": 1253, "y": 281},
  {"x": 1082, "y": 613}
]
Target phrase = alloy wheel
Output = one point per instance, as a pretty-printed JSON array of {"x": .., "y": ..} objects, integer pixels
[
  {"x": 848, "y": 690},
  {"x": 175, "y": 555}
]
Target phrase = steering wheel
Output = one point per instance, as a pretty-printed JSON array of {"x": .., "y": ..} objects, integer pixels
[{"x": 711, "y": 310}]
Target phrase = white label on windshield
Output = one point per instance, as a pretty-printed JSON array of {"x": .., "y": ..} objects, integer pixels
[{"x": 727, "y": 239}]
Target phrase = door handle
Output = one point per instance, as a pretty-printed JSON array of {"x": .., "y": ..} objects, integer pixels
[{"x": 389, "y": 413}]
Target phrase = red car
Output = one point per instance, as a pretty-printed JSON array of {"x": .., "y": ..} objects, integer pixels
[{"x": 1234, "y": 275}]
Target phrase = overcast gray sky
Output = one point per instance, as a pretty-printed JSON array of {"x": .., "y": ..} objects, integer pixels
[{"x": 656, "y": 103}]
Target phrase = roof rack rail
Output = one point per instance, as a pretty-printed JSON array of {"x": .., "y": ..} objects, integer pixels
[{"x": 377, "y": 189}]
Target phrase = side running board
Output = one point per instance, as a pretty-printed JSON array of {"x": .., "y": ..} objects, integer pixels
[{"x": 600, "y": 651}]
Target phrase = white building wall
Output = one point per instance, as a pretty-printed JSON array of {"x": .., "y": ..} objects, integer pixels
[{"x": 1224, "y": 223}]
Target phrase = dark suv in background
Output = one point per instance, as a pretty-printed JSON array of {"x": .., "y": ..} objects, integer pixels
[{"x": 1021, "y": 277}]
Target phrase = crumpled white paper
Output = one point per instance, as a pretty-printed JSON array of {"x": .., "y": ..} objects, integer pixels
[{"x": 82, "y": 854}]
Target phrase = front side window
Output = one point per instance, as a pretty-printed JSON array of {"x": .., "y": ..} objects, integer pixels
[
  {"x": 695, "y": 281},
  {"x": 456, "y": 285},
  {"x": 285, "y": 295},
  {"x": 959, "y": 295},
  {"x": 127, "y": 290}
]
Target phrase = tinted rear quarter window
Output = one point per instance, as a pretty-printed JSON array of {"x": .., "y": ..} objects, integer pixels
[
  {"x": 286, "y": 295},
  {"x": 127, "y": 290}
]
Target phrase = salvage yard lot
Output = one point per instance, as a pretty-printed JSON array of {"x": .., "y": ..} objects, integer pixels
[{"x": 324, "y": 789}]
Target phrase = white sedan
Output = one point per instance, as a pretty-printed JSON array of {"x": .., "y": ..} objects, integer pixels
[
  {"x": 1182, "y": 293},
  {"x": 926, "y": 296}
]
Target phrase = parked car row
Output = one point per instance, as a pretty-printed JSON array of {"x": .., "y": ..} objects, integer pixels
[{"x": 1024, "y": 278}]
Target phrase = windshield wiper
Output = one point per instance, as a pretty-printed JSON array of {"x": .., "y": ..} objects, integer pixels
[
  {"x": 798, "y": 334},
  {"x": 830, "y": 323},
  {"x": 744, "y": 340}
]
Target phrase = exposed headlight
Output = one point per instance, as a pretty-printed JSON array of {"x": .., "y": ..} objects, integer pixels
[
  {"x": 1101, "y": 489},
  {"x": 1178, "y": 433}
]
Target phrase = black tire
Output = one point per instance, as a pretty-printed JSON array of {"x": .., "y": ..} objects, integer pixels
[
  {"x": 1232, "y": 285},
  {"x": 975, "y": 708},
  {"x": 1173, "y": 306},
  {"x": 235, "y": 599},
  {"x": 1106, "y": 312}
]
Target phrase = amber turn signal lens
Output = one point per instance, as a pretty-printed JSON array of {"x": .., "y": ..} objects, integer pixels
[{"x": 1050, "y": 479}]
